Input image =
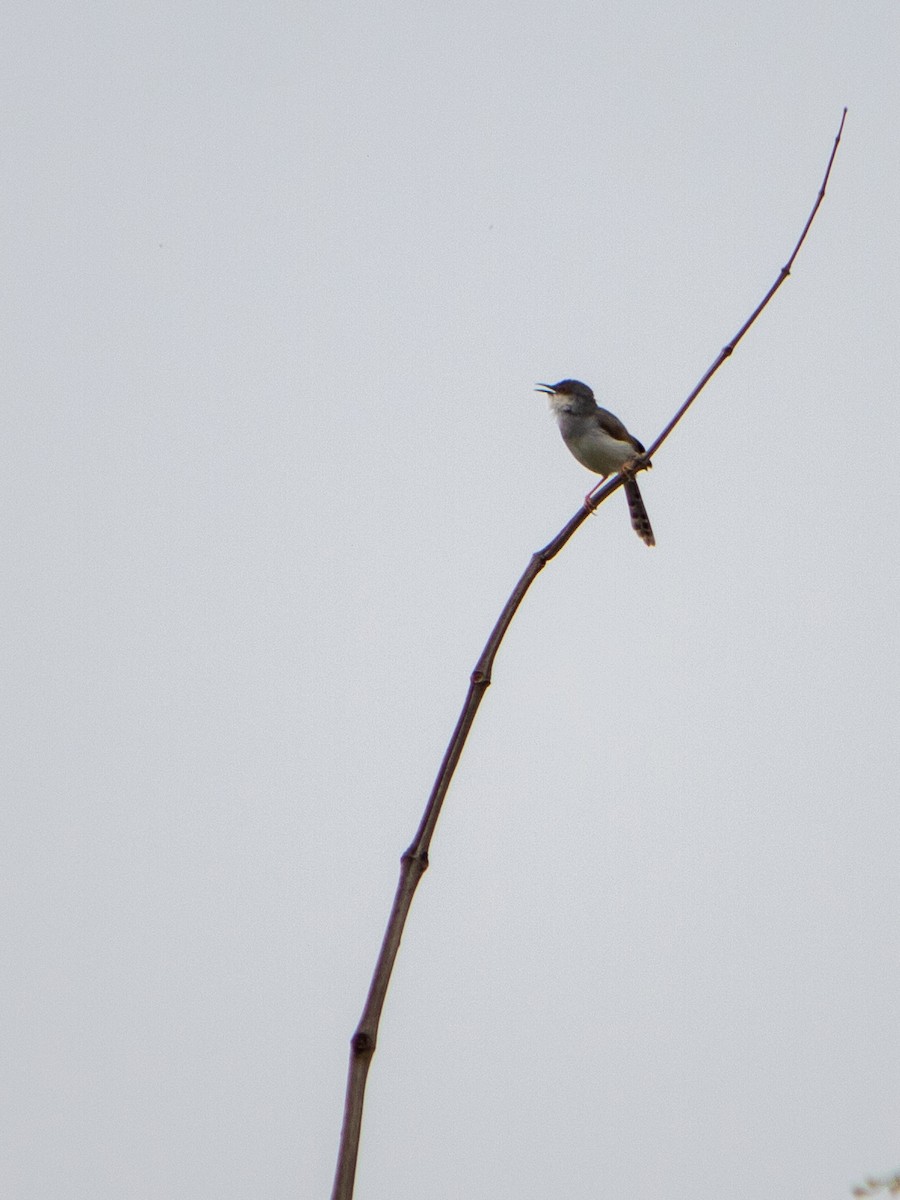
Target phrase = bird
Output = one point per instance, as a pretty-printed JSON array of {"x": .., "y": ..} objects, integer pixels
[{"x": 599, "y": 441}]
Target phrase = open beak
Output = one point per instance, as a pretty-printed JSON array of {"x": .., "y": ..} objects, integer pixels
[{"x": 546, "y": 389}]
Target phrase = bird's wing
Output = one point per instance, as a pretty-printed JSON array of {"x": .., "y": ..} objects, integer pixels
[{"x": 611, "y": 424}]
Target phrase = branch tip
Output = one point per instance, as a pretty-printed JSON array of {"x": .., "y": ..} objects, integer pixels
[{"x": 783, "y": 274}]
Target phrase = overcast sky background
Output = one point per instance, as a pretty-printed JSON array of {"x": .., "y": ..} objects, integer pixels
[{"x": 279, "y": 281}]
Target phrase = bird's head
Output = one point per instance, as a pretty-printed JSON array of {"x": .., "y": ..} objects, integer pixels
[{"x": 569, "y": 395}]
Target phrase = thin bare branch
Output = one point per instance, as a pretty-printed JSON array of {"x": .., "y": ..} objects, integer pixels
[
  {"x": 414, "y": 861},
  {"x": 728, "y": 349}
]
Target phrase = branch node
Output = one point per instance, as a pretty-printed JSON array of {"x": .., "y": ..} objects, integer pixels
[
  {"x": 362, "y": 1043},
  {"x": 415, "y": 858}
]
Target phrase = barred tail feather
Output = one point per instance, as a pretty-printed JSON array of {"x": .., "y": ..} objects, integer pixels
[{"x": 640, "y": 522}]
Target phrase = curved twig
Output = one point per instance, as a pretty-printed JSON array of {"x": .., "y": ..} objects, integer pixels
[
  {"x": 414, "y": 861},
  {"x": 728, "y": 349}
]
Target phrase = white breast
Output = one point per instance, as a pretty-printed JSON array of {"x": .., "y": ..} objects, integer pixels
[{"x": 593, "y": 447}]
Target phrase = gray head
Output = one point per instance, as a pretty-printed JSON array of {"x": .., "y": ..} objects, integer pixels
[{"x": 569, "y": 395}]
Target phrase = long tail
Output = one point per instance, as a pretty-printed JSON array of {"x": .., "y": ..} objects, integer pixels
[{"x": 640, "y": 522}]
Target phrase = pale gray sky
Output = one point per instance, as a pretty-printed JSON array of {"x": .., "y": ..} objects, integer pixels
[{"x": 279, "y": 282}]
